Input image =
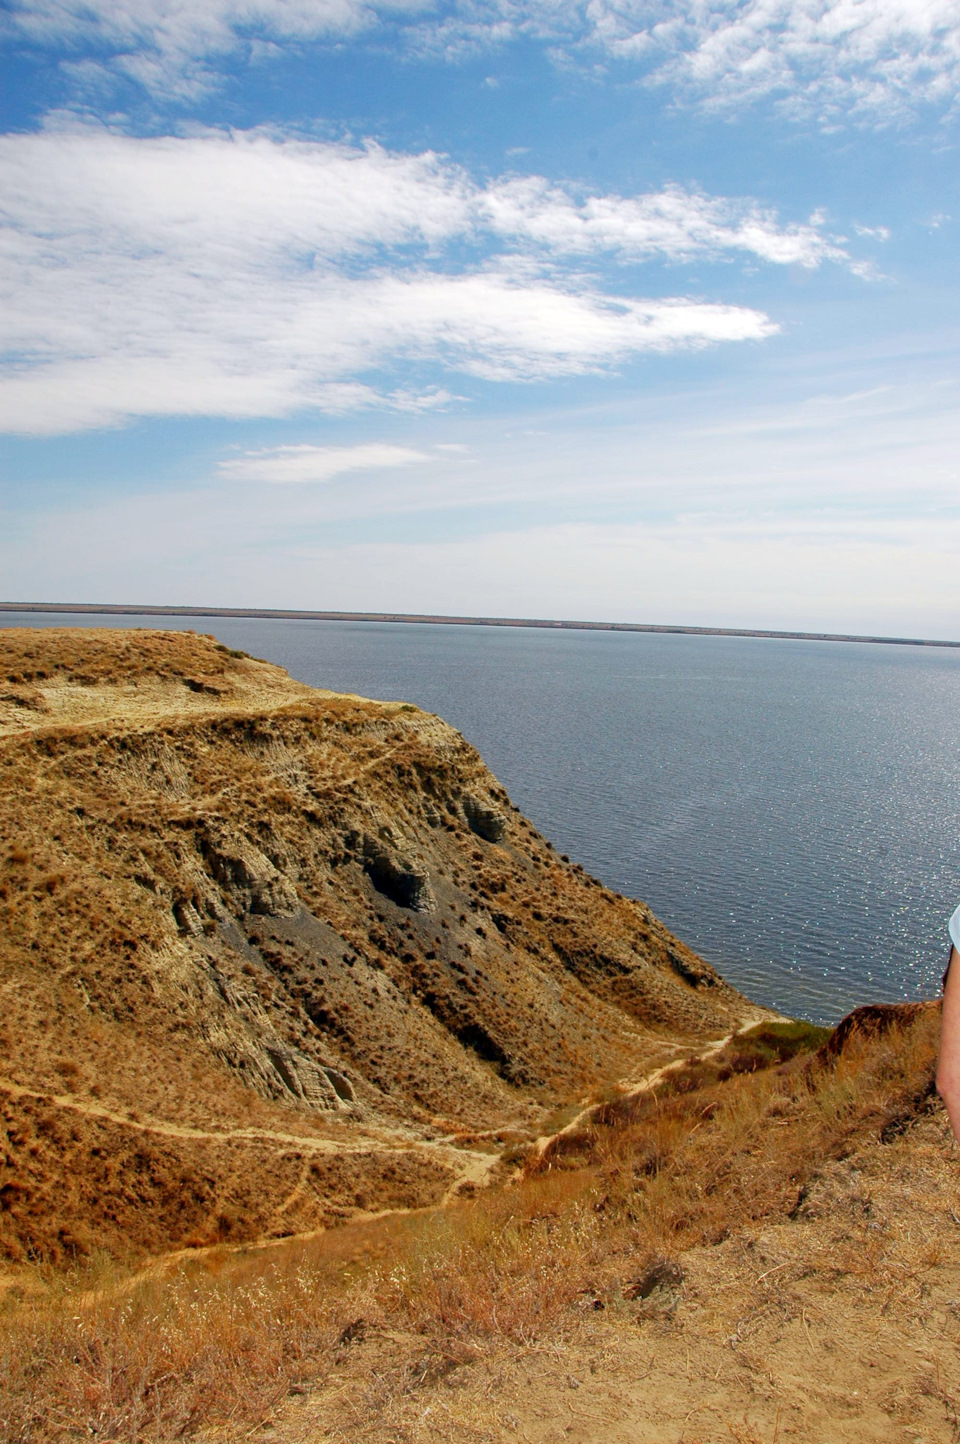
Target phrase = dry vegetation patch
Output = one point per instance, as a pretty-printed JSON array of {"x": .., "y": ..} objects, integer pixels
[
  {"x": 91, "y": 656},
  {"x": 722, "y": 1220}
]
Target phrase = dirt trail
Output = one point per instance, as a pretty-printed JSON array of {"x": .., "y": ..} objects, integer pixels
[
  {"x": 474, "y": 1170},
  {"x": 179, "y": 1130},
  {"x": 473, "y": 1167},
  {"x": 650, "y": 1080}
]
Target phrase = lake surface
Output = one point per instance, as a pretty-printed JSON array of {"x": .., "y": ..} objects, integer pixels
[{"x": 790, "y": 809}]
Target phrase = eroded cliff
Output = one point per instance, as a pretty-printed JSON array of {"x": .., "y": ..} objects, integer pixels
[{"x": 272, "y": 955}]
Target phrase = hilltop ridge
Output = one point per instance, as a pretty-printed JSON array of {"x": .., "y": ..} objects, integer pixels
[{"x": 274, "y": 956}]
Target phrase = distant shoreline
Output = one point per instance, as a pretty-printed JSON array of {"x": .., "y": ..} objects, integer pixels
[{"x": 276, "y": 614}]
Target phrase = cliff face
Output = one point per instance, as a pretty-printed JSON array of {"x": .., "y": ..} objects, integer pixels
[{"x": 264, "y": 948}]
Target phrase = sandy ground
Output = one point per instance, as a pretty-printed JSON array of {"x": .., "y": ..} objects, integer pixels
[{"x": 841, "y": 1324}]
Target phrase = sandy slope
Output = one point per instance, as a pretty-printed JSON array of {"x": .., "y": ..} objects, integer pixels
[{"x": 842, "y": 1324}]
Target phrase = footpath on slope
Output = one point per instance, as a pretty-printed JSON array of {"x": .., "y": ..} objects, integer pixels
[
  {"x": 628, "y": 1092},
  {"x": 476, "y": 1168}
]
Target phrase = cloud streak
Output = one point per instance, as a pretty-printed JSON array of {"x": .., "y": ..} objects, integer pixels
[
  {"x": 243, "y": 274},
  {"x": 282, "y": 465}
]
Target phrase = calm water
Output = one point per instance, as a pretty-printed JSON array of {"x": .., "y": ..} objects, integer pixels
[{"x": 790, "y": 809}]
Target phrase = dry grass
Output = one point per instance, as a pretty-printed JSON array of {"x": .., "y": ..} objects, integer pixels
[
  {"x": 225, "y": 1341},
  {"x": 88, "y": 656},
  {"x": 165, "y": 1358},
  {"x": 726, "y": 1141}
]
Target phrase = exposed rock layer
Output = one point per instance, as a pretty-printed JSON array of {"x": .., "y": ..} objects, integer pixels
[{"x": 264, "y": 945}]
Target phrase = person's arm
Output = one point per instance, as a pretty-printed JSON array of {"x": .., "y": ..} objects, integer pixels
[{"x": 948, "y": 1070}]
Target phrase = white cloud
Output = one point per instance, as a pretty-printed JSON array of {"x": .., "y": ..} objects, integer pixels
[
  {"x": 878, "y": 58},
  {"x": 324, "y": 201},
  {"x": 284, "y": 464},
  {"x": 246, "y": 275},
  {"x": 675, "y": 223},
  {"x": 168, "y": 45}
]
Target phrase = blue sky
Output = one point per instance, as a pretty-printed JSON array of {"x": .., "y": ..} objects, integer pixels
[{"x": 639, "y": 311}]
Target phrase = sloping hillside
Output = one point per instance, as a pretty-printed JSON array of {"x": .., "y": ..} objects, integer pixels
[
  {"x": 760, "y": 1245},
  {"x": 271, "y": 956}
]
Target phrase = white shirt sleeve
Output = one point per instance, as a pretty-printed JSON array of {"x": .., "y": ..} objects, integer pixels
[{"x": 954, "y": 928}]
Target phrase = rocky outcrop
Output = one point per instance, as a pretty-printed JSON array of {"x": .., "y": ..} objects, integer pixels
[
  {"x": 486, "y": 821},
  {"x": 873, "y": 1020},
  {"x": 247, "y": 878},
  {"x": 398, "y": 878}
]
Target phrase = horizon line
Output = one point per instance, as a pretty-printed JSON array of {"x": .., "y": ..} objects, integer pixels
[{"x": 113, "y": 609}]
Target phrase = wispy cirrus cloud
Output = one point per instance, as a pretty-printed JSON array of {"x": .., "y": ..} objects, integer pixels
[
  {"x": 875, "y": 59},
  {"x": 244, "y": 274},
  {"x": 323, "y": 201},
  {"x": 285, "y": 465},
  {"x": 174, "y": 47}
]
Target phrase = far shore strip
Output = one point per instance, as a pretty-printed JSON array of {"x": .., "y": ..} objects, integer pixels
[{"x": 275, "y": 614}]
